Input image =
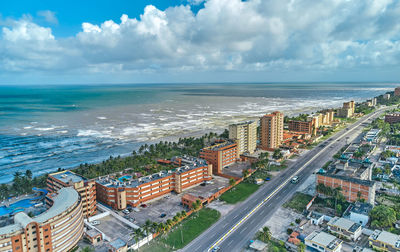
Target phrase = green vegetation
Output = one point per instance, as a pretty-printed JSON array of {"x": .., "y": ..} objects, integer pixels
[
  {"x": 362, "y": 108},
  {"x": 22, "y": 184},
  {"x": 185, "y": 232},
  {"x": 145, "y": 159},
  {"x": 335, "y": 199},
  {"x": 298, "y": 202},
  {"x": 382, "y": 216},
  {"x": 301, "y": 117},
  {"x": 326, "y": 165},
  {"x": 239, "y": 193}
]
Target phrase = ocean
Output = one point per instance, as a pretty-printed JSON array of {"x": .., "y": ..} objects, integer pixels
[{"x": 43, "y": 128}]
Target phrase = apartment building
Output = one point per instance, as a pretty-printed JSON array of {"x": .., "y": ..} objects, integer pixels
[
  {"x": 384, "y": 241},
  {"x": 220, "y": 155},
  {"x": 392, "y": 117},
  {"x": 347, "y": 110},
  {"x": 323, "y": 242},
  {"x": 245, "y": 136},
  {"x": 397, "y": 91},
  {"x": 300, "y": 126},
  {"x": 386, "y": 96},
  {"x": 58, "y": 229},
  {"x": 120, "y": 192},
  {"x": 345, "y": 228},
  {"x": 86, "y": 188},
  {"x": 271, "y": 130}
]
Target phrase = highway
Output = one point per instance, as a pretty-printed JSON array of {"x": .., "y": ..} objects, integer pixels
[{"x": 234, "y": 231}]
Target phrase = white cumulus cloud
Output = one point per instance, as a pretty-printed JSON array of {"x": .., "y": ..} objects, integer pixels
[{"x": 224, "y": 36}]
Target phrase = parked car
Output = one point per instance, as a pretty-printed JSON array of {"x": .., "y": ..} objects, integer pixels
[
  {"x": 167, "y": 197},
  {"x": 267, "y": 179},
  {"x": 95, "y": 223},
  {"x": 203, "y": 184},
  {"x": 125, "y": 211},
  {"x": 163, "y": 215},
  {"x": 136, "y": 209},
  {"x": 143, "y": 205},
  {"x": 131, "y": 219}
]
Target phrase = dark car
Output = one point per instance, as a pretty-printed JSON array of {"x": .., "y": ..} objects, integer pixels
[
  {"x": 163, "y": 215},
  {"x": 143, "y": 205}
]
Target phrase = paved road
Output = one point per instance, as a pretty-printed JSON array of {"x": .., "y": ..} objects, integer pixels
[{"x": 234, "y": 231}]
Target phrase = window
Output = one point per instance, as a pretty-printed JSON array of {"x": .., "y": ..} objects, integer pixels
[{"x": 17, "y": 240}]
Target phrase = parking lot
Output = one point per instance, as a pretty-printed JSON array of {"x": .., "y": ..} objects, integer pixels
[
  {"x": 236, "y": 169},
  {"x": 114, "y": 228},
  {"x": 170, "y": 204}
]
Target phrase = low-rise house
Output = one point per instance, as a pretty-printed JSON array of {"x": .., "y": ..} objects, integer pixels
[
  {"x": 94, "y": 236},
  {"x": 258, "y": 245},
  {"x": 358, "y": 212},
  {"x": 345, "y": 228},
  {"x": 316, "y": 218},
  {"x": 323, "y": 242},
  {"x": 118, "y": 245},
  {"x": 384, "y": 241}
]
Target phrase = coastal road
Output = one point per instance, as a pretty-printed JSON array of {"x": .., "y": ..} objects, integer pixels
[{"x": 234, "y": 231}]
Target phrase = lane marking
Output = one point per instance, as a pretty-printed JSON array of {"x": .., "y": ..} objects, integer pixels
[{"x": 285, "y": 182}]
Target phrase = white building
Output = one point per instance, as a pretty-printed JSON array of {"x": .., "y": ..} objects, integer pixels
[
  {"x": 358, "y": 213},
  {"x": 323, "y": 242},
  {"x": 345, "y": 227}
]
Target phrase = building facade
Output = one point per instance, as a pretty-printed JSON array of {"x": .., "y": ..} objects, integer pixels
[
  {"x": 271, "y": 130},
  {"x": 245, "y": 136},
  {"x": 86, "y": 188},
  {"x": 352, "y": 188},
  {"x": 300, "y": 126},
  {"x": 347, "y": 110},
  {"x": 119, "y": 193},
  {"x": 386, "y": 96},
  {"x": 384, "y": 241},
  {"x": 345, "y": 227},
  {"x": 392, "y": 118},
  {"x": 220, "y": 155},
  {"x": 57, "y": 230}
]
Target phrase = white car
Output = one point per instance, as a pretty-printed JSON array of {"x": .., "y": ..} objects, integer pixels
[
  {"x": 95, "y": 223},
  {"x": 125, "y": 211}
]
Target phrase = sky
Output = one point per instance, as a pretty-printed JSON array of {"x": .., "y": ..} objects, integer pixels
[{"x": 158, "y": 41}]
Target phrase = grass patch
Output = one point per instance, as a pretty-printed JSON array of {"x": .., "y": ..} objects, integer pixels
[
  {"x": 239, "y": 193},
  {"x": 185, "y": 232},
  {"x": 298, "y": 202}
]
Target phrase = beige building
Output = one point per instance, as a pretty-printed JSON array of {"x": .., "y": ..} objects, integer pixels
[
  {"x": 384, "y": 241},
  {"x": 245, "y": 136},
  {"x": 347, "y": 110},
  {"x": 271, "y": 130}
]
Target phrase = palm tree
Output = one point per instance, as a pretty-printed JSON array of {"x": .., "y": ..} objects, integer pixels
[
  {"x": 87, "y": 249},
  {"x": 266, "y": 234},
  {"x": 138, "y": 235},
  {"x": 337, "y": 194},
  {"x": 147, "y": 226},
  {"x": 245, "y": 173},
  {"x": 28, "y": 174},
  {"x": 183, "y": 214},
  {"x": 301, "y": 247},
  {"x": 232, "y": 182}
]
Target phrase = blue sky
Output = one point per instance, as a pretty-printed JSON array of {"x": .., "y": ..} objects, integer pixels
[{"x": 137, "y": 41}]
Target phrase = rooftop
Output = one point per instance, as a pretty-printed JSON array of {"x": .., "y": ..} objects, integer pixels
[
  {"x": 324, "y": 239},
  {"x": 92, "y": 233},
  {"x": 358, "y": 208},
  {"x": 345, "y": 224},
  {"x": 242, "y": 123},
  {"x": 117, "y": 244},
  {"x": 67, "y": 177},
  {"x": 386, "y": 237},
  {"x": 189, "y": 163},
  {"x": 219, "y": 146}
]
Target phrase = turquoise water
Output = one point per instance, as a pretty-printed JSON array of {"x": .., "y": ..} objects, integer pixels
[
  {"x": 43, "y": 128},
  {"x": 127, "y": 177},
  {"x": 18, "y": 206}
]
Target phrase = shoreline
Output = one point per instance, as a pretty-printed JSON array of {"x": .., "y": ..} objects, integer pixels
[{"x": 219, "y": 127}]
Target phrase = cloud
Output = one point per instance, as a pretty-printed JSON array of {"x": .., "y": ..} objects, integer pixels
[
  {"x": 251, "y": 36},
  {"x": 49, "y": 16}
]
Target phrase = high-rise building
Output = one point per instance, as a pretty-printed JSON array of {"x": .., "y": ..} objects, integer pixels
[
  {"x": 347, "y": 110},
  {"x": 245, "y": 135},
  {"x": 86, "y": 189},
  {"x": 271, "y": 130}
]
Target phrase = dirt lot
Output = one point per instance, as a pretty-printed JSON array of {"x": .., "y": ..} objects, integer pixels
[{"x": 236, "y": 169}]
